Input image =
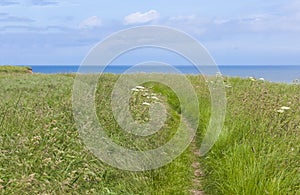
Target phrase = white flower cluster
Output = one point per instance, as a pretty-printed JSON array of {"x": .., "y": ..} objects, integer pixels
[
  {"x": 253, "y": 79},
  {"x": 283, "y": 109},
  {"x": 138, "y": 88},
  {"x": 145, "y": 94},
  {"x": 296, "y": 82}
]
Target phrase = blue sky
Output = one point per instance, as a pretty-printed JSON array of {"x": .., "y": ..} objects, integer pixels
[{"x": 235, "y": 32}]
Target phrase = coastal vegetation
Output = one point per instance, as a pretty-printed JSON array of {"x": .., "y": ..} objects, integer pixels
[
  {"x": 15, "y": 69},
  {"x": 258, "y": 151}
]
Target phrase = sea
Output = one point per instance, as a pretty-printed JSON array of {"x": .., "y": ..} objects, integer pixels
[{"x": 272, "y": 73}]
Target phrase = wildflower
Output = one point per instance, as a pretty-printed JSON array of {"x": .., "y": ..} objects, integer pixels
[
  {"x": 228, "y": 86},
  {"x": 252, "y": 78},
  {"x": 280, "y": 111},
  {"x": 155, "y": 98},
  {"x": 285, "y": 108},
  {"x": 219, "y": 74},
  {"x": 296, "y": 81},
  {"x": 261, "y": 79},
  {"x": 36, "y": 138},
  {"x": 140, "y": 87},
  {"x": 146, "y": 104},
  {"x": 135, "y": 89}
]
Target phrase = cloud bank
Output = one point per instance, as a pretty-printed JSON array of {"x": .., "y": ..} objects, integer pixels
[
  {"x": 141, "y": 18},
  {"x": 91, "y": 22},
  {"x": 15, "y": 19},
  {"x": 44, "y": 2},
  {"x": 8, "y": 3}
]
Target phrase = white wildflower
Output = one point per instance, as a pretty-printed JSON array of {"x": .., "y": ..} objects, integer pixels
[
  {"x": 285, "y": 108},
  {"x": 261, "y": 79},
  {"x": 135, "y": 89},
  {"x": 228, "y": 86},
  {"x": 146, "y": 104},
  {"x": 218, "y": 74},
  {"x": 252, "y": 78},
  {"x": 280, "y": 111},
  {"x": 139, "y": 87},
  {"x": 155, "y": 98},
  {"x": 296, "y": 81}
]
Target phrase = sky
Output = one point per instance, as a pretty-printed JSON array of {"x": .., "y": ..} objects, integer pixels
[{"x": 62, "y": 32}]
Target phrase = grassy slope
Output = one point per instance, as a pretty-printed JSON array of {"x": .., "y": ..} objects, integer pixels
[
  {"x": 15, "y": 69},
  {"x": 257, "y": 153}
]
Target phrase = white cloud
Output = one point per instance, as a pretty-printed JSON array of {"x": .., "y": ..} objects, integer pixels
[
  {"x": 44, "y": 2},
  {"x": 182, "y": 18},
  {"x": 193, "y": 24},
  {"x": 140, "y": 18},
  {"x": 221, "y": 21},
  {"x": 8, "y": 3},
  {"x": 292, "y": 6},
  {"x": 90, "y": 22}
]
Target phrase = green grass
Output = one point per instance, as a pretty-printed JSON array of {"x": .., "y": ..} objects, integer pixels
[
  {"x": 42, "y": 153},
  {"x": 15, "y": 69},
  {"x": 258, "y": 150}
]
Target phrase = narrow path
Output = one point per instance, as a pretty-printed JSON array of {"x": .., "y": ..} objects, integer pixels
[{"x": 197, "y": 188}]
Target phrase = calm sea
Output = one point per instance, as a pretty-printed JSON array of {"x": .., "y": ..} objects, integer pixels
[{"x": 284, "y": 73}]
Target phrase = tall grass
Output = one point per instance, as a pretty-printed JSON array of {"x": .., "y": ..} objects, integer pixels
[
  {"x": 258, "y": 151},
  {"x": 42, "y": 153}
]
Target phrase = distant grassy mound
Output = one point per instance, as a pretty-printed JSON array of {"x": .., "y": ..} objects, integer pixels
[{"x": 15, "y": 69}]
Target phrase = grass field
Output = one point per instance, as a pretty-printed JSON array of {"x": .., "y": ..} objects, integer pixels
[{"x": 258, "y": 151}]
